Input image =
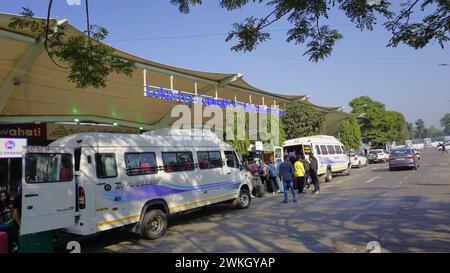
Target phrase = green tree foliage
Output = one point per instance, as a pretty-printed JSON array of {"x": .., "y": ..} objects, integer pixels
[
  {"x": 421, "y": 131},
  {"x": 301, "y": 120},
  {"x": 240, "y": 145},
  {"x": 350, "y": 134},
  {"x": 308, "y": 22},
  {"x": 378, "y": 125},
  {"x": 435, "y": 132},
  {"x": 88, "y": 61},
  {"x": 445, "y": 123},
  {"x": 409, "y": 134}
]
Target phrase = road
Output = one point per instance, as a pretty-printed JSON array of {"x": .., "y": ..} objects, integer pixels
[{"x": 404, "y": 211}]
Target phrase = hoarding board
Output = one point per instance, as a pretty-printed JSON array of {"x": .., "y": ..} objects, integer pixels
[{"x": 12, "y": 147}]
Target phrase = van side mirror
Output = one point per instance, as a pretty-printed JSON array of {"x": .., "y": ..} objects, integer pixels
[{"x": 77, "y": 173}]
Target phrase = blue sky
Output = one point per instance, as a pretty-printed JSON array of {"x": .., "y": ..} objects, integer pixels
[{"x": 405, "y": 79}]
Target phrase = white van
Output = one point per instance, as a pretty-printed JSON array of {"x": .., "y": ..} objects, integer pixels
[
  {"x": 329, "y": 151},
  {"x": 91, "y": 182}
]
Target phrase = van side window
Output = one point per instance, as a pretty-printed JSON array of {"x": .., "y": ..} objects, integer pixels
[
  {"x": 209, "y": 160},
  {"x": 338, "y": 149},
  {"x": 343, "y": 150},
  {"x": 140, "y": 163},
  {"x": 45, "y": 168},
  {"x": 330, "y": 149},
  {"x": 232, "y": 160},
  {"x": 318, "y": 149},
  {"x": 177, "y": 161},
  {"x": 106, "y": 165},
  {"x": 323, "y": 148}
]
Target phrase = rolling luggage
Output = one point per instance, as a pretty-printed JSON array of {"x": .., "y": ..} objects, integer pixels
[
  {"x": 259, "y": 189},
  {"x": 3, "y": 242}
]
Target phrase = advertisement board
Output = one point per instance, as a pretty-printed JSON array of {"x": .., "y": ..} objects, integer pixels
[{"x": 12, "y": 147}]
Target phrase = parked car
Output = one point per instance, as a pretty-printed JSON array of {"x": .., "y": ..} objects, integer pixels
[
  {"x": 403, "y": 158},
  {"x": 357, "y": 160},
  {"x": 378, "y": 155}
]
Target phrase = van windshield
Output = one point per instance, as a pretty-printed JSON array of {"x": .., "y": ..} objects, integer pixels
[{"x": 41, "y": 168}]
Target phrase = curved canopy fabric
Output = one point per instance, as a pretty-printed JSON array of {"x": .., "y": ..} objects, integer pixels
[{"x": 33, "y": 88}]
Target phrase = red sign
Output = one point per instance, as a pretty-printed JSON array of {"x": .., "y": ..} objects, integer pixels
[{"x": 29, "y": 131}]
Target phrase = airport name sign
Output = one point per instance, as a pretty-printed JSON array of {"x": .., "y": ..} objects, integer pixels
[{"x": 179, "y": 96}]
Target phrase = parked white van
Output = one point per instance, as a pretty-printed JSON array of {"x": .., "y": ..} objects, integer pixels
[
  {"x": 330, "y": 151},
  {"x": 90, "y": 182}
]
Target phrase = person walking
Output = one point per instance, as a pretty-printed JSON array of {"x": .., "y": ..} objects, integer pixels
[
  {"x": 313, "y": 167},
  {"x": 299, "y": 171},
  {"x": 444, "y": 149},
  {"x": 287, "y": 174}
]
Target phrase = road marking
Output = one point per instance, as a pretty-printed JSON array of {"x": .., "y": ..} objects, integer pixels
[
  {"x": 357, "y": 216},
  {"x": 372, "y": 179}
]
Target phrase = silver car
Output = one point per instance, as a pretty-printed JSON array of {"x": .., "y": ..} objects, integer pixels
[{"x": 403, "y": 158}]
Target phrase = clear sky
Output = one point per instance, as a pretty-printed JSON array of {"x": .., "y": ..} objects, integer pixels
[{"x": 404, "y": 79}]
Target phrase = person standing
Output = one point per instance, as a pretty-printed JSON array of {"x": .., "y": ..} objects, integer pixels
[
  {"x": 306, "y": 167},
  {"x": 313, "y": 167},
  {"x": 5, "y": 208},
  {"x": 272, "y": 176},
  {"x": 263, "y": 173},
  {"x": 287, "y": 174},
  {"x": 279, "y": 178},
  {"x": 299, "y": 171}
]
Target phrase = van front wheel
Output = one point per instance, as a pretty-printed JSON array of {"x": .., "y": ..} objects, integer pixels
[
  {"x": 154, "y": 224},
  {"x": 243, "y": 200}
]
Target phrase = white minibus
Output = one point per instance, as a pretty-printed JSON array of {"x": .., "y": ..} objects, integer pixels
[
  {"x": 329, "y": 151},
  {"x": 90, "y": 182}
]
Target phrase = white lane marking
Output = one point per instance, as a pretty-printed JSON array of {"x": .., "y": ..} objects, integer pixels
[
  {"x": 372, "y": 179},
  {"x": 398, "y": 185},
  {"x": 357, "y": 216}
]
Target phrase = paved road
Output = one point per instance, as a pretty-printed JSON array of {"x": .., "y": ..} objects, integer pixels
[{"x": 405, "y": 211}]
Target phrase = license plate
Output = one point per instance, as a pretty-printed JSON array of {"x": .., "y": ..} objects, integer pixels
[{"x": 401, "y": 158}]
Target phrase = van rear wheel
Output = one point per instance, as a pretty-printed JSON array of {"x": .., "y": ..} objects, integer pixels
[
  {"x": 154, "y": 224},
  {"x": 328, "y": 176},
  {"x": 243, "y": 200}
]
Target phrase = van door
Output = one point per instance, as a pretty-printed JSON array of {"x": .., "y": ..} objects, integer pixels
[
  {"x": 278, "y": 154},
  {"x": 232, "y": 170},
  {"x": 48, "y": 189}
]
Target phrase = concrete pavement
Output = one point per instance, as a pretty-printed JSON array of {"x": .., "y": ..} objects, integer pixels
[{"x": 404, "y": 211}]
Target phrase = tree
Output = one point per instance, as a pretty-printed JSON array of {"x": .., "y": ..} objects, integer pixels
[
  {"x": 409, "y": 134},
  {"x": 350, "y": 134},
  {"x": 445, "y": 123},
  {"x": 420, "y": 129},
  {"x": 306, "y": 18},
  {"x": 301, "y": 120},
  {"x": 396, "y": 130},
  {"x": 88, "y": 60},
  {"x": 378, "y": 125},
  {"x": 434, "y": 132}
]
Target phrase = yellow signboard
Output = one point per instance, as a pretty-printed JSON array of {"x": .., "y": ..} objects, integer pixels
[
  {"x": 56, "y": 131},
  {"x": 307, "y": 149}
]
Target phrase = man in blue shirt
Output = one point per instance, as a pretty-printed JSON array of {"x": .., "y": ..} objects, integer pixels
[
  {"x": 287, "y": 174},
  {"x": 272, "y": 174}
]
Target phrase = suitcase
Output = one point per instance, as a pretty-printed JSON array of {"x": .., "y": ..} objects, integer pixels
[
  {"x": 3, "y": 242},
  {"x": 259, "y": 189}
]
